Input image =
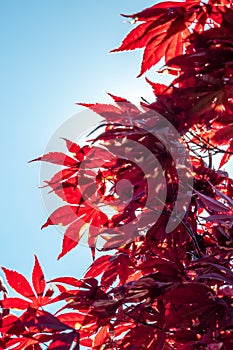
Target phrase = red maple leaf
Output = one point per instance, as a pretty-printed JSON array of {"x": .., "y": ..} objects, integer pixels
[{"x": 35, "y": 296}]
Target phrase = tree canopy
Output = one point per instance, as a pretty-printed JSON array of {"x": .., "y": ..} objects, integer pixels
[{"x": 164, "y": 277}]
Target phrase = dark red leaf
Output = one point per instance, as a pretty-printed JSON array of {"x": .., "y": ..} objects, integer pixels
[
  {"x": 57, "y": 158},
  {"x": 38, "y": 279},
  {"x": 15, "y": 303},
  {"x": 73, "y": 148},
  {"x": 98, "y": 266},
  {"x": 71, "y": 237},
  {"x": 62, "y": 216},
  {"x": 212, "y": 203},
  {"x": 225, "y": 133},
  {"x": 63, "y": 341},
  {"x": 19, "y": 283},
  {"x": 47, "y": 320},
  {"x": 67, "y": 280}
]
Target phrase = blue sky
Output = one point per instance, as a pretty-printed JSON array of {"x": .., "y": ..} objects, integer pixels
[{"x": 53, "y": 54}]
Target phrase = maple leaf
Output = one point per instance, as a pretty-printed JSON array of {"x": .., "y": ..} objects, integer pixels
[
  {"x": 34, "y": 297},
  {"x": 57, "y": 158},
  {"x": 75, "y": 217},
  {"x": 165, "y": 29},
  {"x": 111, "y": 267},
  {"x": 211, "y": 204}
]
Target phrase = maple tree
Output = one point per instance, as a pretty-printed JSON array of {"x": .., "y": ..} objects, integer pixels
[{"x": 149, "y": 288}]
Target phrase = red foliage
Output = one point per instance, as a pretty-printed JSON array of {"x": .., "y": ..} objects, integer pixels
[
  {"x": 34, "y": 326},
  {"x": 156, "y": 290}
]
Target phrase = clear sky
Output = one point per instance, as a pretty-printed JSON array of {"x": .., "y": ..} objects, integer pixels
[{"x": 53, "y": 54}]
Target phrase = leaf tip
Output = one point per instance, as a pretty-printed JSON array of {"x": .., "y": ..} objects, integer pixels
[
  {"x": 60, "y": 256},
  {"x": 43, "y": 226},
  {"x": 34, "y": 160}
]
